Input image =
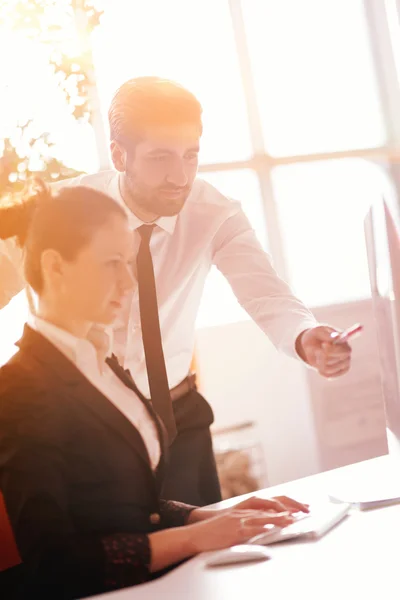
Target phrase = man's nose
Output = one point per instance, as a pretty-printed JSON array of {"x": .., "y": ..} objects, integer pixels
[{"x": 177, "y": 174}]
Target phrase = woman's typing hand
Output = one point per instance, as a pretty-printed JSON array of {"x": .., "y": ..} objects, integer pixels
[
  {"x": 233, "y": 527},
  {"x": 276, "y": 504}
]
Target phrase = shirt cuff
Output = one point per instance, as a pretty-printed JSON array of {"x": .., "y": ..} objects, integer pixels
[
  {"x": 288, "y": 345},
  {"x": 175, "y": 514}
]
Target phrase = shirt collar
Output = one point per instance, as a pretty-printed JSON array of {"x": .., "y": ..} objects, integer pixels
[
  {"x": 165, "y": 223},
  {"x": 98, "y": 341}
]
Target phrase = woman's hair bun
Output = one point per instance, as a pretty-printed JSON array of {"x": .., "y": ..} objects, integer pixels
[{"x": 17, "y": 210}]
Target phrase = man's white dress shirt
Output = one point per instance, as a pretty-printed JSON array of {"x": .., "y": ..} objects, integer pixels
[
  {"x": 210, "y": 229},
  {"x": 89, "y": 358}
]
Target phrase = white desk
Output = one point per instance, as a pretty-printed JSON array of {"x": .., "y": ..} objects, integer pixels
[{"x": 358, "y": 560}]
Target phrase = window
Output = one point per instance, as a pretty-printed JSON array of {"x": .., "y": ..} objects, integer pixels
[
  {"x": 185, "y": 40},
  {"x": 393, "y": 16},
  {"x": 321, "y": 207},
  {"x": 312, "y": 80},
  {"x": 313, "y": 75}
]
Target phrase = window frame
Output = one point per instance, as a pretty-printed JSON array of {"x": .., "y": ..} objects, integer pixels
[{"x": 263, "y": 163}]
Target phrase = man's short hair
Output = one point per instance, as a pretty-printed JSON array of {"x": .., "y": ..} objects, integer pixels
[{"x": 149, "y": 102}]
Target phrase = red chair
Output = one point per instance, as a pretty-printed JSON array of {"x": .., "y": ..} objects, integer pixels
[{"x": 9, "y": 555}]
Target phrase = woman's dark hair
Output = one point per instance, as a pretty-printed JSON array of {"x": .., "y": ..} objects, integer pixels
[
  {"x": 65, "y": 221},
  {"x": 148, "y": 102}
]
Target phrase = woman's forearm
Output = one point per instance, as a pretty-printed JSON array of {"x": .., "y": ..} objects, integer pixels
[{"x": 171, "y": 546}]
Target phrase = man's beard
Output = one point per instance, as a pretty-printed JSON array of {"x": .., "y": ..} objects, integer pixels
[{"x": 156, "y": 201}]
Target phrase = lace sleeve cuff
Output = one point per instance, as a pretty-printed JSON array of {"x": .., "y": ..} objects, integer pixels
[
  {"x": 128, "y": 559},
  {"x": 175, "y": 514}
]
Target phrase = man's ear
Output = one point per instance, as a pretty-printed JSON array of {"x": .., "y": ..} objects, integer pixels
[{"x": 118, "y": 156}]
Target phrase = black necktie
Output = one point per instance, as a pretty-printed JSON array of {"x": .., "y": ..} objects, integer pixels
[{"x": 151, "y": 333}]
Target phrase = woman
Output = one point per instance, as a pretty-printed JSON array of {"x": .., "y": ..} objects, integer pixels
[{"x": 82, "y": 453}]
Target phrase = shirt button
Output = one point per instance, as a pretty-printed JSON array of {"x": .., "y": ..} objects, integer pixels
[{"x": 155, "y": 518}]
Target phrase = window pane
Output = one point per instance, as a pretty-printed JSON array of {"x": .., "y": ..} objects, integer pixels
[
  {"x": 393, "y": 23},
  {"x": 189, "y": 41},
  {"x": 321, "y": 208},
  {"x": 314, "y": 75},
  {"x": 219, "y": 305}
]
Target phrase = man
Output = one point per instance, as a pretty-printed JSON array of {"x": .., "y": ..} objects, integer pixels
[{"x": 155, "y": 128}]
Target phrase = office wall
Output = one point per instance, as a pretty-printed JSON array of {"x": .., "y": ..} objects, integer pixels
[
  {"x": 306, "y": 424},
  {"x": 349, "y": 411},
  {"x": 245, "y": 378}
]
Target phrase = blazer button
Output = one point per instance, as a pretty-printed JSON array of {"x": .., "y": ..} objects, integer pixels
[{"x": 155, "y": 518}]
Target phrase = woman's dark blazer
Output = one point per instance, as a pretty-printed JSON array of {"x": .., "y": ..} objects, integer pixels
[{"x": 76, "y": 477}]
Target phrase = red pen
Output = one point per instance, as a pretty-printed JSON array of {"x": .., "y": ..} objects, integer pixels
[{"x": 350, "y": 333}]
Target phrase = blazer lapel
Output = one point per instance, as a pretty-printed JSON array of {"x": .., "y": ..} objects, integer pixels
[
  {"x": 71, "y": 381},
  {"x": 104, "y": 409}
]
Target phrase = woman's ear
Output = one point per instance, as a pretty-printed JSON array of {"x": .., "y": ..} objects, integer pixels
[
  {"x": 118, "y": 156},
  {"x": 52, "y": 265}
]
